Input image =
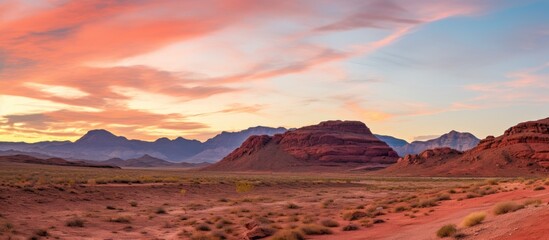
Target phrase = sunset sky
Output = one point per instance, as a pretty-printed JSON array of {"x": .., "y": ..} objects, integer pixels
[{"x": 149, "y": 69}]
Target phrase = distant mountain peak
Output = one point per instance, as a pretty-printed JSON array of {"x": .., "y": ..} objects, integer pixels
[
  {"x": 147, "y": 156},
  {"x": 461, "y": 141},
  {"x": 99, "y": 135},
  {"x": 162, "y": 140}
]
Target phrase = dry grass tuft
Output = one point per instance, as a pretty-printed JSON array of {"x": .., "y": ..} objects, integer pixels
[
  {"x": 350, "y": 227},
  {"x": 506, "y": 207},
  {"x": 313, "y": 229},
  {"x": 329, "y": 223},
  {"x": 288, "y": 235},
  {"x": 473, "y": 219},
  {"x": 535, "y": 202},
  {"x": 121, "y": 219},
  {"x": 75, "y": 222},
  {"x": 447, "y": 231}
]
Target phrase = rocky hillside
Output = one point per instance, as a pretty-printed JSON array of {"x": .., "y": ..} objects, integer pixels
[
  {"x": 521, "y": 150},
  {"x": 328, "y": 145}
]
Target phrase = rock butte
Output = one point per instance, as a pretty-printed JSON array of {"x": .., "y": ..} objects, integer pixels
[
  {"x": 330, "y": 145},
  {"x": 521, "y": 150}
]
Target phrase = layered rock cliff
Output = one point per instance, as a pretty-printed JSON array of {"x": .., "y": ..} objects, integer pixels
[{"x": 338, "y": 144}]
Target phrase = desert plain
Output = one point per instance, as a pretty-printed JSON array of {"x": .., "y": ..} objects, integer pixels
[{"x": 60, "y": 202}]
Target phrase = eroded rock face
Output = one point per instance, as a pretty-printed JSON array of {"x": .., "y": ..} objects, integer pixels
[
  {"x": 522, "y": 150},
  {"x": 328, "y": 142},
  {"x": 336, "y": 141},
  {"x": 525, "y": 140},
  {"x": 251, "y": 145},
  {"x": 414, "y": 159}
]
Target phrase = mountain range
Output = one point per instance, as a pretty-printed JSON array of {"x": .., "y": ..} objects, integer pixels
[{"x": 100, "y": 145}]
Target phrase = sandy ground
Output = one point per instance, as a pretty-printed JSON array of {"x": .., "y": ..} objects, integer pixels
[
  {"x": 206, "y": 209},
  {"x": 528, "y": 223}
]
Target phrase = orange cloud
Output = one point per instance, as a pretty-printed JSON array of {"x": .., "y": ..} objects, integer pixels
[
  {"x": 133, "y": 123},
  {"x": 367, "y": 114}
]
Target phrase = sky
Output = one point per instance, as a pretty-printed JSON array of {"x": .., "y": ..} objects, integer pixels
[{"x": 147, "y": 69}]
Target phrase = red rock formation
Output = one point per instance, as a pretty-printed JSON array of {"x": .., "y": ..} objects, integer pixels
[
  {"x": 415, "y": 159},
  {"x": 328, "y": 143},
  {"x": 521, "y": 150}
]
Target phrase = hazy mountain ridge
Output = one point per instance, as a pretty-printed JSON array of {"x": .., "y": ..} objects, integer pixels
[
  {"x": 461, "y": 141},
  {"x": 392, "y": 141},
  {"x": 100, "y": 145}
]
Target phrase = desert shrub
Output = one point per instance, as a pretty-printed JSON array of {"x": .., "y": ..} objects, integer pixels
[
  {"x": 506, "y": 207},
  {"x": 133, "y": 203},
  {"x": 203, "y": 237},
  {"x": 203, "y": 227},
  {"x": 492, "y": 182},
  {"x": 327, "y": 203},
  {"x": 471, "y": 195},
  {"x": 329, "y": 223},
  {"x": 121, "y": 219},
  {"x": 377, "y": 221},
  {"x": 292, "y": 206},
  {"x": 222, "y": 223},
  {"x": 539, "y": 188},
  {"x": 443, "y": 197},
  {"x": 109, "y": 207},
  {"x": 354, "y": 215},
  {"x": 75, "y": 222},
  {"x": 447, "y": 231},
  {"x": 473, "y": 219},
  {"x": 425, "y": 203},
  {"x": 41, "y": 233},
  {"x": 313, "y": 229},
  {"x": 6, "y": 227},
  {"x": 534, "y": 202},
  {"x": 160, "y": 210},
  {"x": 350, "y": 227},
  {"x": 288, "y": 235},
  {"x": 452, "y": 191},
  {"x": 400, "y": 209},
  {"x": 243, "y": 186}
]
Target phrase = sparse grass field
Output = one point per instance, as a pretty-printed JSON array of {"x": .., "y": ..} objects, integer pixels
[{"x": 69, "y": 202}]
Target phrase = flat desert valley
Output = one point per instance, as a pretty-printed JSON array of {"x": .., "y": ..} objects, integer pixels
[{"x": 58, "y": 202}]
